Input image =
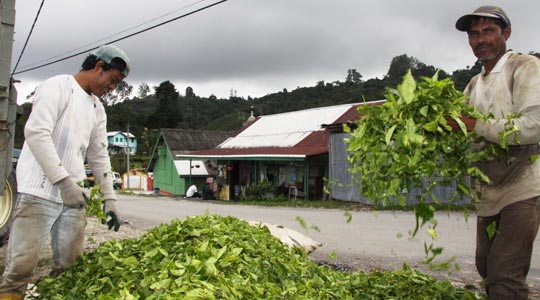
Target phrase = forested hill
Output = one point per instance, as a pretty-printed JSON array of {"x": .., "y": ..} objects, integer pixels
[{"x": 167, "y": 108}]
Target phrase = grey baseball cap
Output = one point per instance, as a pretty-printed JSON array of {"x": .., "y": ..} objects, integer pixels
[
  {"x": 108, "y": 52},
  {"x": 487, "y": 11}
]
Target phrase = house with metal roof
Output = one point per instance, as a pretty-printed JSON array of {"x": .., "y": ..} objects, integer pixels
[
  {"x": 287, "y": 149},
  {"x": 172, "y": 176},
  {"x": 121, "y": 142}
]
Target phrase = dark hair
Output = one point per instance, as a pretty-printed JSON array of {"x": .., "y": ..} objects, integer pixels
[
  {"x": 116, "y": 63},
  {"x": 476, "y": 20}
]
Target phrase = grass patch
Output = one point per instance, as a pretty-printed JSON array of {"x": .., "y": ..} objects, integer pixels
[
  {"x": 323, "y": 204},
  {"x": 326, "y": 204},
  {"x": 344, "y": 205}
]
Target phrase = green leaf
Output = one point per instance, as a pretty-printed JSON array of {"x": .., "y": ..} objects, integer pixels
[
  {"x": 349, "y": 216},
  {"x": 130, "y": 261},
  {"x": 407, "y": 87},
  {"x": 431, "y": 126},
  {"x": 152, "y": 253},
  {"x": 432, "y": 233},
  {"x": 424, "y": 110},
  {"x": 211, "y": 267},
  {"x": 162, "y": 284},
  {"x": 389, "y": 134},
  {"x": 491, "y": 229}
]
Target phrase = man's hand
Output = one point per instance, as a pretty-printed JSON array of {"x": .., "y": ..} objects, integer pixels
[
  {"x": 112, "y": 212},
  {"x": 468, "y": 122},
  {"x": 72, "y": 194}
]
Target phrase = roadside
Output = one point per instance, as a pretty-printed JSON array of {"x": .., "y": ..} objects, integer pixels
[
  {"x": 141, "y": 213},
  {"x": 97, "y": 233},
  {"x": 369, "y": 242}
]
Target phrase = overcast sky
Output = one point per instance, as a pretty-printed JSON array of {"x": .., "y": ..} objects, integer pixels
[{"x": 255, "y": 47}]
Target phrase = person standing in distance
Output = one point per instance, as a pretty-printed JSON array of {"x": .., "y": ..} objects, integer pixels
[
  {"x": 508, "y": 86},
  {"x": 66, "y": 126}
]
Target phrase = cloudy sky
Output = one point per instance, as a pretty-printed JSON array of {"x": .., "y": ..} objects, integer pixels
[{"x": 254, "y": 47}]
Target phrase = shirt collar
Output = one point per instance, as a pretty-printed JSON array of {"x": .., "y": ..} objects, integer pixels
[{"x": 499, "y": 65}]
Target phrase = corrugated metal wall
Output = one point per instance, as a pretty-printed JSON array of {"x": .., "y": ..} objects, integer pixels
[{"x": 344, "y": 188}]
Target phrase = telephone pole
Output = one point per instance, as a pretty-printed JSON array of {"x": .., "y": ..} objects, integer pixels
[{"x": 127, "y": 154}]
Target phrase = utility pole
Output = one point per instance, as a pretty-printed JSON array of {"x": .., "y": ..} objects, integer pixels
[
  {"x": 8, "y": 116},
  {"x": 127, "y": 159},
  {"x": 8, "y": 100}
]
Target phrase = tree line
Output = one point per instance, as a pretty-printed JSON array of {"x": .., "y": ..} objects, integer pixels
[{"x": 146, "y": 112}]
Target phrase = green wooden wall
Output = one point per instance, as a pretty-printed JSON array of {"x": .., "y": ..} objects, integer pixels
[{"x": 165, "y": 174}]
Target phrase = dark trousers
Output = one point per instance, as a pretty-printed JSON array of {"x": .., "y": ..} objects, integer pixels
[{"x": 504, "y": 260}]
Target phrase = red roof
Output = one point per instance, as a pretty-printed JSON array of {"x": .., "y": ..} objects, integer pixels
[{"x": 266, "y": 151}]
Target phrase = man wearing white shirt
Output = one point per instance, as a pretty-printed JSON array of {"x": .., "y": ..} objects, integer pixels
[
  {"x": 66, "y": 127},
  {"x": 192, "y": 192}
]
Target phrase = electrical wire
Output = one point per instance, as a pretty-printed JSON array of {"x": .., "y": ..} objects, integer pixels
[
  {"x": 122, "y": 38},
  {"x": 112, "y": 35},
  {"x": 28, "y": 37}
]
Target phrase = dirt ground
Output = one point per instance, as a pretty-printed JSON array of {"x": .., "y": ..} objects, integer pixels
[{"x": 97, "y": 233}]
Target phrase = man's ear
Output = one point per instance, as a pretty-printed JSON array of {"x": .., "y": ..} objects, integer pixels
[
  {"x": 99, "y": 65},
  {"x": 506, "y": 33}
]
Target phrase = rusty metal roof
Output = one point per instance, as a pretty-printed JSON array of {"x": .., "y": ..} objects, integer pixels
[{"x": 188, "y": 140}]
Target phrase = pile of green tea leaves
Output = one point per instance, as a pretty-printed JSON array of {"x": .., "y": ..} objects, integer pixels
[{"x": 214, "y": 257}]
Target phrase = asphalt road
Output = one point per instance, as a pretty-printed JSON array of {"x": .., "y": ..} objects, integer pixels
[{"x": 370, "y": 240}]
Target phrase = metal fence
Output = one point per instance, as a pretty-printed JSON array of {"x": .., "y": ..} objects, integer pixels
[{"x": 344, "y": 188}]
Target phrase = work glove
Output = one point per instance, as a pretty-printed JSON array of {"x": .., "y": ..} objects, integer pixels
[
  {"x": 112, "y": 214},
  {"x": 72, "y": 195}
]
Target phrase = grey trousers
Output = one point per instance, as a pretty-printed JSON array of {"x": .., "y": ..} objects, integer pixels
[
  {"x": 34, "y": 220},
  {"x": 504, "y": 260}
]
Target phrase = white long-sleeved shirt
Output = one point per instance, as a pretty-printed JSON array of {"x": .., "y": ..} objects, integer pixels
[
  {"x": 513, "y": 86},
  {"x": 66, "y": 126},
  {"x": 191, "y": 191}
]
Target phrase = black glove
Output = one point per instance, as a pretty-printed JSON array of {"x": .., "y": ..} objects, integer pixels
[{"x": 110, "y": 211}]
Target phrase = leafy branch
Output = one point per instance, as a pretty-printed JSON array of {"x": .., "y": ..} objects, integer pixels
[{"x": 406, "y": 143}]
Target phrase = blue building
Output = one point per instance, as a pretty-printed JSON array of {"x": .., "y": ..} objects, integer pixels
[{"x": 121, "y": 142}]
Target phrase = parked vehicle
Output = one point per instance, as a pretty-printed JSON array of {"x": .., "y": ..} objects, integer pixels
[
  {"x": 117, "y": 180},
  {"x": 89, "y": 182}
]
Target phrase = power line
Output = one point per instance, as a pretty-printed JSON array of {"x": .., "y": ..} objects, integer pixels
[
  {"x": 122, "y": 38},
  {"x": 112, "y": 35},
  {"x": 28, "y": 37}
]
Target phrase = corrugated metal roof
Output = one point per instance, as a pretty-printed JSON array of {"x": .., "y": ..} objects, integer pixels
[
  {"x": 285, "y": 129},
  {"x": 187, "y": 140},
  {"x": 113, "y": 133}
]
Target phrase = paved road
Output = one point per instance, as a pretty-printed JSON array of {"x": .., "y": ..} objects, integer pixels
[{"x": 381, "y": 238}]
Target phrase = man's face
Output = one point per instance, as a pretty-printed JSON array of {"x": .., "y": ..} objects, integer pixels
[
  {"x": 488, "y": 40},
  {"x": 106, "y": 81}
]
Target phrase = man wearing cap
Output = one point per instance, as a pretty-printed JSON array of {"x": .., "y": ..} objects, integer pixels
[
  {"x": 67, "y": 125},
  {"x": 507, "y": 87}
]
